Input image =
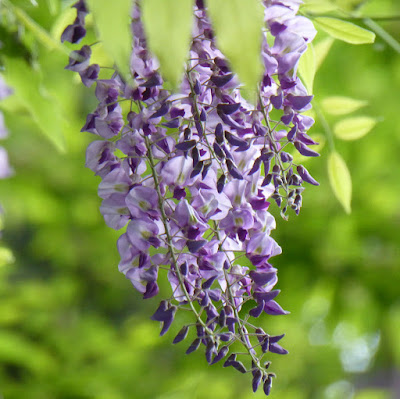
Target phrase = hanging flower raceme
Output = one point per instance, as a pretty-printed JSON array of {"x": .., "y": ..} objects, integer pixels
[{"x": 191, "y": 176}]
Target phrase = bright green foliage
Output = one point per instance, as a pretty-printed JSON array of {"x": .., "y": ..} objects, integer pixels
[
  {"x": 339, "y": 105},
  {"x": 344, "y": 30},
  {"x": 318, "y": 6},
  {"x": 321, "y": 50},
  {"x": 307, "y": 68},
  {"x": 168, "y": 27},
  {"x": 112, "y": 19},
  {"x": 354, "y": 128},
  {"x": 238, "y": 26},
  {"x": 44, "y": 110},
  {"x": 340, "y": 180}
]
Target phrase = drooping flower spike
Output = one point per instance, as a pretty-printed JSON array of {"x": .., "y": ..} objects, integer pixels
[{"x": 191, "y": 176}]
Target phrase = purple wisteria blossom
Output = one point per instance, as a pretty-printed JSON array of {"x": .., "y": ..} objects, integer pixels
[{"x": 190, "y": 176}]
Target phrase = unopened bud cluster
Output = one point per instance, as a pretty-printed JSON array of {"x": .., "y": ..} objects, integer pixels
[{"x": 191, "y": 174}]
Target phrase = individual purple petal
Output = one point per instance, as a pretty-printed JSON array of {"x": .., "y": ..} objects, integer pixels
[
  {"x": 170, "y": 314},
  {"x": 152, "y": 290},
  {"x": 152, "y": 82},
  {"x": 194, "y": 246},
  {"x": 236, "y": 141},
  {"x": 221, "y": 354},
  {"x": 228, "y": 109},
  {"x": 73, "y": 33},
  {"x": 305, "y": 175},
  {"x": 276, "y": 338},
  {"x": 182, "y": 334},
  {"x": 163, "y": 110},
  {"x": 276, "y": 348},
  {"x": 172, "y": 124},
  {"x": 90, "y": 75},
  {"x": 274, "y": 309},
  {"x": 256, "y": 312},
  {"x": 186, "y": 145},
  {"x": 160, "y": 313},
  {"x": 221, "y": 80},
  {"x": 262, "y": 278},
  {"x": 298, "y": 102},
  {"x": 256, "y": 380},
  {"x": 193, "y": 346},
  {"x": 304, "y": 150},
  {"x": 267, "y": 386},
  {"x": 219, "y": 133}
]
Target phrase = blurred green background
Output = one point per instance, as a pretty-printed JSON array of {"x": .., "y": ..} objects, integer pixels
[{"x": 72, "y": 327}]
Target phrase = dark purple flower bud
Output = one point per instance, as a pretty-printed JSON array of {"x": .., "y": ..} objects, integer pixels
[
  {"x": 203, "y": 115},
  {"x": 193, "y": 346},
  {"x": 236, "y": 141},
  {"x": 242, "y": 234},
  {"x": 218, "y": 151},
  {"x": 226, "y": 151},
  {"x": 208, "y": 283},
  {"x": 276, "y": 348},
  {"x": 199, "y": 128},
  {"x": 206, "y": 167},
  {"x": 90, "y": 74},
  {"x": 231, "y": 358},
  {"x": 73, "y": 33},
  {"x": 184, "y": 268},
  {"x": 260, "y": 130},
  {"x": 152, "y": 82},
  {"x": 195, "y": 156},
  {"x": 205, "y": 300},
  {"x": 221, "y": 183},
  {"x": 292, "y": 133},
  {"x": 219, "y": 133},
  {"x": 295, "y": 180},
  {"x": 210, "y": 349},
  {"x": 187, "y": 134},
  {"x": 197, "y": 169},
  {"x": 186, "y": 145},
  {"x": 276, "y": 169},
  {"x": 152, "y": 290},
  {"x": 286, "y": 119},
  {"x": 267, "y": 386},
  {"x": 200, "y": 330},
  {"x": 194, "y": 246},
  {"x": 256, "y": 312},
  {"x": 262, "y": 278},
  {"x": 179, "y": 193},
  {"x": 197, "y": 87},
  {"x": 182, "y": 334},
  {"x": 233, "y": 170},
  {"x": 221, "y": 354},
  {"x": 278, "y": 199},
  {"x": 159, "y": 314},
  {"x": 239, "y": 366},
  {"x": 286, "y": 157},
  {"x": 274, "y": 309},
  {"x": 266, "y": 296},
  {"x": 79, "y": 59},
  {"x": 305, "y": 175},
  {"x": 172, "y": 124},
  {"x": 298, "y": 102},
  {"x": 221, "y": 80},
  {"x": 225, "y": 337},
  {"x": 228, "y": 109},
  {"x": 229, "y": 121},
  {"x": 163, "y": 110},
  {"x": 304, "y": 150},
  {"x": 265, "y": 344},
  {"x": 256, "y": 380},
  {"x": 266, "y": 180},
  {"x": 267, "y": 156},
  {"x": 298, "y": 200},
  {"x": 222, "y": 318},
  {"x": 276, "y": 338},
  {"x": 277, "y": 101},
  {"x": 230, "y": 322}
]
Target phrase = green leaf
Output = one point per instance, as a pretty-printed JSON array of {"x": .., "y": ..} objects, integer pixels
[
  {"x": 354, "y": 128},
  {"x": 40, "y": 34},
  {"x": 112, "y": 19},
  {"x": 340, "y": 180},
  {"x": 337, "y": 105},
  {"x": 168, "y": 27},
  {"x": 6, "y": 257},
  {"x": 318, "y": 6},
  {"x": 238, "y": 25},
  {"x": 307, "y": 68},
  {"x": 44, "y": 110},
  {"x": 346, "y": 31},
  {"x": 321, "y": 50}
]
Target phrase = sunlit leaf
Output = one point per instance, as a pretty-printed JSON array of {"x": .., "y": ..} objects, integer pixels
[
  {"x": 318, "y": 6},
  {"x": 307, "y": 68},
  {"x": 354, "y": 128},
  {"x": 337, "y": 105},
  {"x": 373, "y": 394},
  {"x": 112, "y": 19},
  {"x": 238, "y": 26},
  {"x": 6, "y": 256},
  {"x": 168, "y": 26},
  {"x": 321, "y": 50},
  {"x": 44, "y": 110},
  {"x": 40, "y": 34},
  {"x": 340, "y": 180},
  {"x": 53, "y": 6},
  {"x": 346, "y": 31}
]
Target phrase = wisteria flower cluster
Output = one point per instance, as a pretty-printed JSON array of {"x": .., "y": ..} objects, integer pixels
[{"x": 191, "y": 176}]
